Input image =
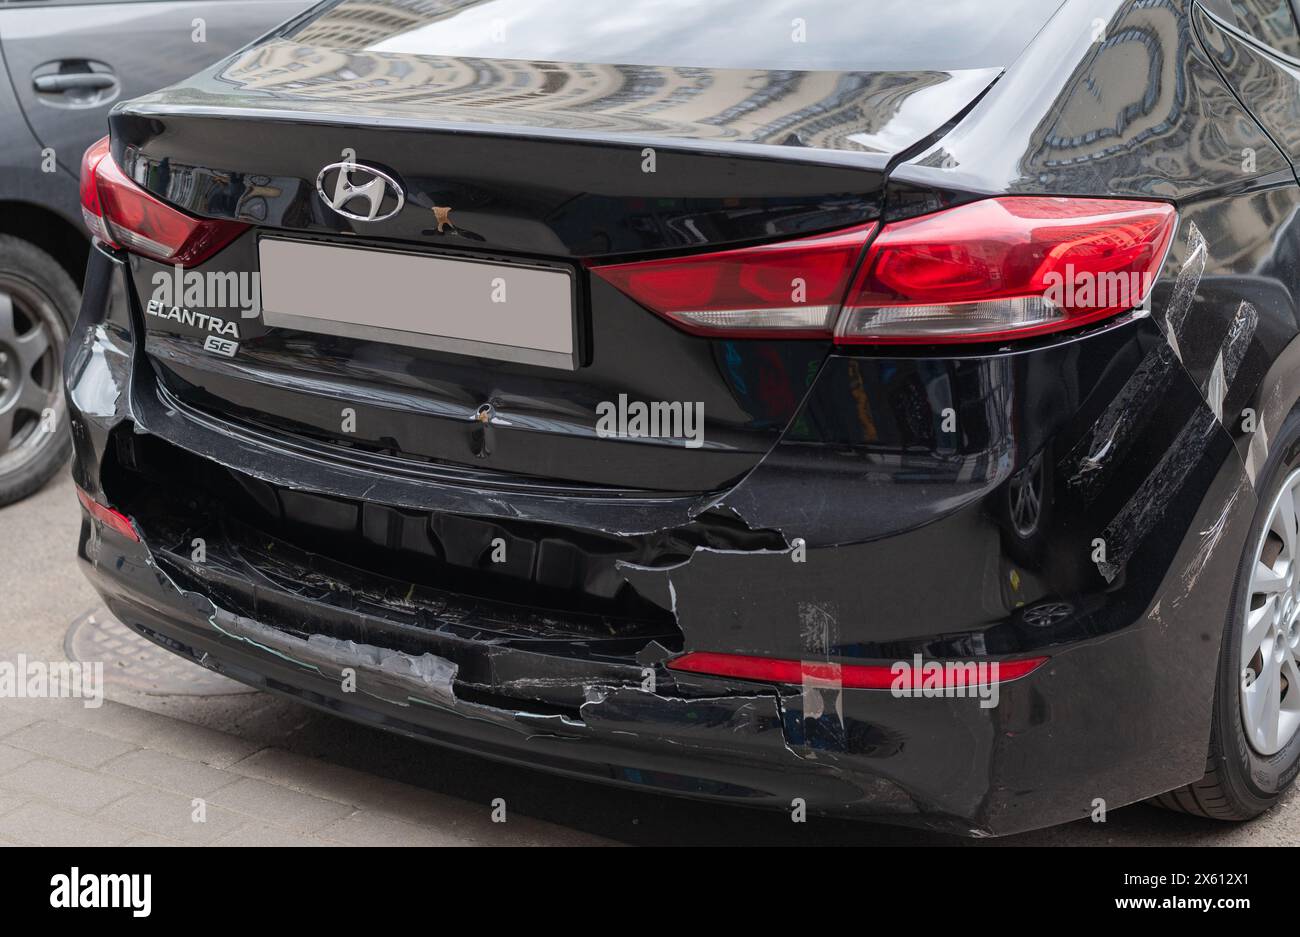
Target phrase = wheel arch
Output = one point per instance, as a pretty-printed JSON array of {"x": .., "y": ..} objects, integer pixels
[{"x": 1276, "y": 395}]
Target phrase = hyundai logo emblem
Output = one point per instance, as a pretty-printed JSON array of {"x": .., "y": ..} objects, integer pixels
[{"x": 361, "y": 187}]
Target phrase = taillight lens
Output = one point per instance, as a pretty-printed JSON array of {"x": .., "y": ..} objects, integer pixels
[
  {"x": 990, "y": 270},
  {"x": 92, "y": 212},
  {"x": 791, "y": 289},
  {"x": 1006, "y": 268},
  {"x": 121, "y": 214}
]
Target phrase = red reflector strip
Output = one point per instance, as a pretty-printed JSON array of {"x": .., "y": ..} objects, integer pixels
[
  {"x": 114, "y": 520},
  {"x": 854, "y": 676}
]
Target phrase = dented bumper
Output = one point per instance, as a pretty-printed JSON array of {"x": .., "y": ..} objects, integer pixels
[{"x": 872, "y": 532}]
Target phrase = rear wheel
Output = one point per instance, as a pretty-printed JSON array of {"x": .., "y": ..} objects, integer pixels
[
  {"x": 1255, "y": 737},
  {"x": 37, "y": 301}
]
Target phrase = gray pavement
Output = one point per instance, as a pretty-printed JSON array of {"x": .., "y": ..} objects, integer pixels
[{"x": 142, "y": 768}]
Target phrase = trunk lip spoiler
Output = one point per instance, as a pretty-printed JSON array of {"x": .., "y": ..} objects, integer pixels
[{"x": 776, "y": 152}]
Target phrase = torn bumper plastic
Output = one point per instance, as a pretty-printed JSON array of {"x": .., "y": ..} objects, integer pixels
[{"x": 872, "y": 532}]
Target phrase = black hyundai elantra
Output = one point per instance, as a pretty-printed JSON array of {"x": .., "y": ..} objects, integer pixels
[{"x": 887, "y": 409}]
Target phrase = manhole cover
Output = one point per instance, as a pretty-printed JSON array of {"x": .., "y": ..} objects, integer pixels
[{"x": 137, "y": 664}]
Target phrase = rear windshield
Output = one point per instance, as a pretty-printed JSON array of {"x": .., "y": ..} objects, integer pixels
[{"x": 805, "y": 35}]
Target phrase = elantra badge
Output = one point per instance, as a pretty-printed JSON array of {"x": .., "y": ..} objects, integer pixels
[
  {"x": 347, "y": 187},
  {"x": 221, "y": 346}
]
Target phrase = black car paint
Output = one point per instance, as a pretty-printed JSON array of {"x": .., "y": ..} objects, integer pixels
[
  {"x": 1145, "y": 453},
  {"x": 572, "y": 190},
  {"x": 573, "y": 186}
]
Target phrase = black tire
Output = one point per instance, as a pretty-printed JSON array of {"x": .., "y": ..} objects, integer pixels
[
  {"x": 38, "y": 302},
  {"x": 1239, "y": 782}
]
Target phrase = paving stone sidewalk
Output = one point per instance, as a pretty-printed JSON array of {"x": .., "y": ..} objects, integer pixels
[{"x": 117, "y": 775}]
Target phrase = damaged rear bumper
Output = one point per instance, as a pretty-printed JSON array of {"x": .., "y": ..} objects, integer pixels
[
  {"x": 853, "y": 751},
  {"x": 866, "y": 535}
]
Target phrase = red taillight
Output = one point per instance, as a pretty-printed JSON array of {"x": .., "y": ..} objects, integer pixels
[
  {"x": 114, "y": 520},
  {"x": 1006, "y": 268},
  {"x": 92, "y": 212},
  {"x": 990, "y": 270},
  {"x": 791, "y": 289},
  {"x": 121, "y": 214},
  {"x": 852, "y": 676}
]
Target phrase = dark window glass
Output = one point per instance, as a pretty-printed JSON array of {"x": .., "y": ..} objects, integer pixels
[
  {"x": 1271, "y": 22},
  {"x": 768, "y": 34}
]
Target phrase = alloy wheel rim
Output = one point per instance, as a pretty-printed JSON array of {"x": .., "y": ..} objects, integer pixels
[
  {"x": 32, "y": 336},
  {"x": 1026, "y": 496},
  {"x": 1270, "y": 642}
]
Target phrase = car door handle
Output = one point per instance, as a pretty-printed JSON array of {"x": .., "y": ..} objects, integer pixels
[{"x": 69, "y": 81}]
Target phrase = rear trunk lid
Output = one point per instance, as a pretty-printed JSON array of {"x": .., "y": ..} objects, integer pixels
[{"x": 539, "y": 165}]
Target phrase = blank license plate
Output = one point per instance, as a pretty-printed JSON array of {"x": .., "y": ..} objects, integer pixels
[{"x": 508, "y": 312}]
